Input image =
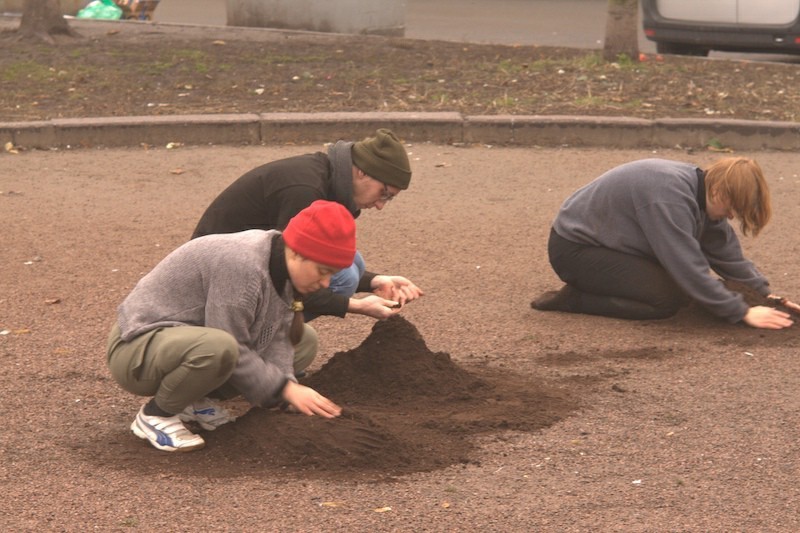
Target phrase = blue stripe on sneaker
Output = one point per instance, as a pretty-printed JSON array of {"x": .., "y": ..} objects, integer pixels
[
  {"x": 207, "y": 411},
  {"x": 162, "y": 438}
]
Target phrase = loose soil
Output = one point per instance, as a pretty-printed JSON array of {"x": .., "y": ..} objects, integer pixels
[
  {"x": 407, "y": 410},
  {"x": 136, "y": 68}
]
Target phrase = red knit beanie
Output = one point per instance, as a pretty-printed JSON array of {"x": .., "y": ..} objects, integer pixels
[{"x": 323, "y": 232}]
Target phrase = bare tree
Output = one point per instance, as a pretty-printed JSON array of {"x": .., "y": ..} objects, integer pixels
[
  {"x": 41, "y": 19},
  {"x": 622, "y": 31}
]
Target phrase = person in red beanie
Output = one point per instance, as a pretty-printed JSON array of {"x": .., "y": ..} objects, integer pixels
[{"x": 215, "y": 319}]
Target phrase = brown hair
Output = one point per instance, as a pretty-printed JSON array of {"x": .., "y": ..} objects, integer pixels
[{"x": 740, "y": 181}]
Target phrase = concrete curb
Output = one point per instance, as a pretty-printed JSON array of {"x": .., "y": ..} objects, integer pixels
[{"x": 442, "y": 128}]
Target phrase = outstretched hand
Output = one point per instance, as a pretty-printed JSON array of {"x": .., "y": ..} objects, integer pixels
[
  {"x": 374, "y": 306},
  {"x": 308, "y": 401},
  {"x": 765, "y": 317},
  {"x": 396, "y": 288},
  {"x": 390, "y": 294}
]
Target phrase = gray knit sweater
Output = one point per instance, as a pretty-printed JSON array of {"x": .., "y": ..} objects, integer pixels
[
  {"x": 650, "y": 208},
  {"x": 223, "y": 282}
]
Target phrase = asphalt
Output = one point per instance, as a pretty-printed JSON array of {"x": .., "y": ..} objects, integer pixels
[{"x": 440, "y": 127}]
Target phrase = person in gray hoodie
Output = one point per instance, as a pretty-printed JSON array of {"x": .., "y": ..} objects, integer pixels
[
  {"x": 641, "y": 241},
  {"x": 220, "y": 317}
]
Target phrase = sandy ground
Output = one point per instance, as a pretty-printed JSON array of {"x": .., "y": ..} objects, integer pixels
[{"x": 686, "y": 424}]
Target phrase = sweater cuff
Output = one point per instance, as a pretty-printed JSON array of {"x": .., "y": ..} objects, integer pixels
[{"x": 364, "y": 284}]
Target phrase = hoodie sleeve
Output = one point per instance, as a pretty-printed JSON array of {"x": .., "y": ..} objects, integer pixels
[
  {"x": 670, "y": 228},
  {"x": 259, "y": 379},
  {"x": 724, "y": 252}
]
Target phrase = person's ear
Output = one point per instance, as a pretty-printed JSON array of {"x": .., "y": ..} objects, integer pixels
[{"x": 291, "y": 255}]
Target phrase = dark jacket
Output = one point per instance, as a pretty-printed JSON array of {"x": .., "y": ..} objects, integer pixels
[{"x": 268, "y": 196}]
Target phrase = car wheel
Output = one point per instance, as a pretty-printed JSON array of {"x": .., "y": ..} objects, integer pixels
[{"x": 681, "y": 49}]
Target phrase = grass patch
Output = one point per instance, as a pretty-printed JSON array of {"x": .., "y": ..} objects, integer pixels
[{"x": 29, "y": 71}]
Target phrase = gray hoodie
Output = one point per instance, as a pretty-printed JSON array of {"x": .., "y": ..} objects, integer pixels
[
  {"x": 655, "y": 208},
  {"x": 223, "y": 282}
]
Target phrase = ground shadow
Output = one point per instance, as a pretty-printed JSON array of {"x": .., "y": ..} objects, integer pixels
[{"x": 406, "y": 410}]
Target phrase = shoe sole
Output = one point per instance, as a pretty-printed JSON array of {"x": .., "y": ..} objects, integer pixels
[{"x": 142, "y": 435}]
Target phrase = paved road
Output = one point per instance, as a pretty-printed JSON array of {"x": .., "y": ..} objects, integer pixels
[
  {"x": 576, "y": 23},
  {"x": 573, "y": 23}
]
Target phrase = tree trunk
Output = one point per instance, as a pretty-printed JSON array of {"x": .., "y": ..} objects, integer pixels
[
  {"x": 622, "y": 31},
  {"x": 41, "y": 19}
]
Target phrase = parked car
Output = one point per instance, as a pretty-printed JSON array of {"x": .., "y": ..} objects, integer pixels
[{"x": 694, "y": 27}]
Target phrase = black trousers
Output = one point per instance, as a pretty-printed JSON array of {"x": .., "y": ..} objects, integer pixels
[{"x": 614, "y": 284}]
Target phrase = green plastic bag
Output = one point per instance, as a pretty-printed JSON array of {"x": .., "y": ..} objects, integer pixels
[{"x": 100, "y": 9}]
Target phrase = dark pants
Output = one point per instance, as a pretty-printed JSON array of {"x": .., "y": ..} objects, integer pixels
[{"x": 614, "y": 284}]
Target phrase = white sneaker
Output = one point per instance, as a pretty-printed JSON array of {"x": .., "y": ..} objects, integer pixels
[
  {"x": 208, "y": 413},
  {"x": 166, "y": 433}
]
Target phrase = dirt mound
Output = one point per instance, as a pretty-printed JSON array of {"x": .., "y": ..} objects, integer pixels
[
  {"x": 406, "y": 409},
  {"x": 393, "y": 365}
]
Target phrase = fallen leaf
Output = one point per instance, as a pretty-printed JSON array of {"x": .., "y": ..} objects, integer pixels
[
  {"x": 715, "y": 149},
  {"x": 330, "y": 504},
  {"x": 51, "y": 301},
  {"x": 9, "y": 147},
  {"x": 446, "y": 505},
  {"x": 219, "y": 42},
  {"x": 22, "y": 331},
  {"x": 383, "y": 509},
  {"x": 177, "y": 171}
]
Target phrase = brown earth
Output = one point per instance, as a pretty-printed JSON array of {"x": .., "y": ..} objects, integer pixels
[
  {"x": 407, "y": 410},
  {"x": 133, "y": 68},
  {"x": 472, "y": 412}
]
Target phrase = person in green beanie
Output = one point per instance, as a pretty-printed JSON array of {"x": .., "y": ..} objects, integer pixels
[{"x": 359, "y": 175}]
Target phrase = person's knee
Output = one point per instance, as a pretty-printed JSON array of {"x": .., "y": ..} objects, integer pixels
[
  {"x": 306, "y": 350},
  {"x": 669, "y": 306},
  {"x": 669, "y": 299},
  {"x": 660, "y": 312},
  {"x": 346, "y": 280},
  {"x": 223, "y": 348}
]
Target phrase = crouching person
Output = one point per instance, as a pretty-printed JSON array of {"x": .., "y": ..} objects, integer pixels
[{"x": 218, "y": 318}]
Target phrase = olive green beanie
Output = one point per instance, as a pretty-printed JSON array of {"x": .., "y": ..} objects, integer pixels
[{"x": 383, "y": 157}]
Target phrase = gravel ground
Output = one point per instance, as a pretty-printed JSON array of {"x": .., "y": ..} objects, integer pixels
[{"x": 589, "y": 424}]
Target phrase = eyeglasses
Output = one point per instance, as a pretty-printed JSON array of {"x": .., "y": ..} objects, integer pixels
[{"x": 387, "y": 195}]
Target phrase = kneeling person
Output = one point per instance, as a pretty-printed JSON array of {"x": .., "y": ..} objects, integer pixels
[{"x": 218, "y": 318}]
